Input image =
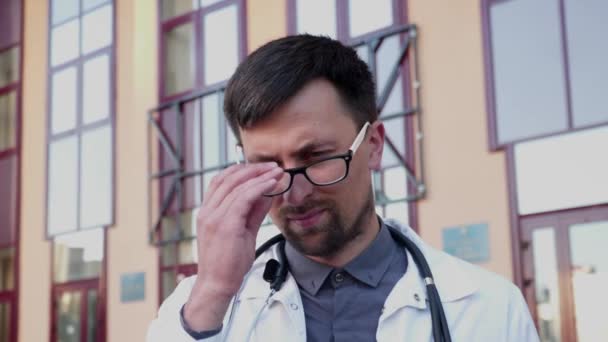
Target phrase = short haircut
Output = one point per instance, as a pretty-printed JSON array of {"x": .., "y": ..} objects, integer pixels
[{"x": 275, "y": 72}]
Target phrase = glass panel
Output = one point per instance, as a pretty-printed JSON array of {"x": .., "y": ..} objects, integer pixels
[
  {"x": 92, "y": 316},
  {"x": 395, "y": 183},
  {"x": 9, "y": 66},
  {"x": 233, "y": 156},
  {"x": 316, "y": 17},
  {"x": 209, "y": 2},
  {"x": 586, "y": 28},
  {"x": 389, "y": 158},
  {"x": 398, "y": 211},
  {"x": 169, "y": 254},
  {"x": 5, "y": 322},
  {"x": 366, "y": 16},
  {"x": 546, "y": 284},
  {"x": 8, "y": 120},
  {"x": 78, "y": 255},
  {"x": 173, "y": 8},
  {"x": 63, "y": 101},
  {"x": 188, "y": 225},
  {"x": 64, "y": 42},
  {"x": 385, "y": 59},
  {"x": 64, "y": 9},
  {"x": 529, "y": 87},
  {"x": 7, "y": 268},
  {"x": 211, "y": 131},
  {"x": 62, "y": 185},
  {"x": 395, "y": 131},
  {"x": 589, "y": 258},
  {"x": 179, "y": 59},
  {"x": 96, "y": 178},
  {"x": 97, "y": 29},
  {"x": 96, "y": 89},
  {"x": 565, "y": 171},
  {"x": 8, "y": 199},
  {"x": 188, "y": 253},
  {"x": 221, "y": 44},
  {"x": 10, "y": 22},
  {"x": 68, "y": 316},
  {"x": 88, "y": 4},
  {"x": 168, "y": 283},
  {"x": 394, "y": 103}
]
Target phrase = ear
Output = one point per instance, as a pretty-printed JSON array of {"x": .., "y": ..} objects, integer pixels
[{"x": 376, "y": 145}]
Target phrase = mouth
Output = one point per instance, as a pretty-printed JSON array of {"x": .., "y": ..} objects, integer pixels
[{"x": 307, "y": 219}]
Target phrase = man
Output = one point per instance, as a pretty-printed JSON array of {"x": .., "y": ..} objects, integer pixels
[{"x": 303, "y": 109}]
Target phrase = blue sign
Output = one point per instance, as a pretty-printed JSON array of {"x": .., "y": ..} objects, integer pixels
[
  {"x": 132, "y": 287},
  {"x": 469, "y": 242}
]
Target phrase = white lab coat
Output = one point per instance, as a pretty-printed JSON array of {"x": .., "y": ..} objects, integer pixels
[{"x": 479, "y": 306}]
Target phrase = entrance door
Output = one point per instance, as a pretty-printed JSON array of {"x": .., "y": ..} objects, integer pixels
[
  {"x": 76, "y": 313},
  {"x": 566, "y": 274},
  {"x": 7, "y": 322}
]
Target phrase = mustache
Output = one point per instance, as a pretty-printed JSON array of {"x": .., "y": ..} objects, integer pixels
[{"x": 304, "y": 208}]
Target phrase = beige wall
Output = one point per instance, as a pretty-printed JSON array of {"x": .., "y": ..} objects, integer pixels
[
  {"x": 35, "y": 252},
  {"x": 466, "y": 183},
  {"x": 266, "y": 20},
  {"x": 128, "y": 248}
]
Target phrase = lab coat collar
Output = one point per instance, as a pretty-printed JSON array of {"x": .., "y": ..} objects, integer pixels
[{"x": 452, "y": 278}]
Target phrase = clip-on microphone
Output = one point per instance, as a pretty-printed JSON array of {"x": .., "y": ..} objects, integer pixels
[{"x": 276, "y": 272}]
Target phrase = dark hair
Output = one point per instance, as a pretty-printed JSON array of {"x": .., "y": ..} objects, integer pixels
[{"x": 275, "y": 72}]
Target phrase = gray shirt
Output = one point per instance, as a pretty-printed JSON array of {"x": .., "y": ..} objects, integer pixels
[{"x": 345, "y": 304}]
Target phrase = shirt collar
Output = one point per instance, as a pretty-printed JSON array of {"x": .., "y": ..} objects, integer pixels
[
  {"x": 309, "y": 274},
  {"x": 368, "y": 267}
]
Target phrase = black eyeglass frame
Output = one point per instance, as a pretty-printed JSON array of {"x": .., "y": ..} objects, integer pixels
[{"x": 347, "y": 157}]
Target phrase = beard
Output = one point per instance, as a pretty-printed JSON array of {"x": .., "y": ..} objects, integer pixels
[{"x": 327, "y": 238}]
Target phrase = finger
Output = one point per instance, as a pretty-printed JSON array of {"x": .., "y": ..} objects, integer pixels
[
  {"x": 243, "y": 201},
  {"x": 227, "y": 184},
  {"x": 218, "y": 179},
  {"x": 249, "y": 183},
  {"x": 258, "y": 212}
]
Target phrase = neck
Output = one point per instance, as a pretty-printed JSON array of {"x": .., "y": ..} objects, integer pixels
[{"x": 353, "y": 248}]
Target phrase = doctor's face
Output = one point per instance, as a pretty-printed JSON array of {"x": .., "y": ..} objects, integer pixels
[{"x": 313, "y": 125}]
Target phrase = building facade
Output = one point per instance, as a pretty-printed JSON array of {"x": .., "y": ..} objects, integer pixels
[{"x": 111, "y": 127}]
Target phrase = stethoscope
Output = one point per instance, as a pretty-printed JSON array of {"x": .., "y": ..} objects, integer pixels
[{"x": 275, "y": 273}]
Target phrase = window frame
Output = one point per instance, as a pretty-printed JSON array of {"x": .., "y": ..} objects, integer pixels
[
  {"x": 80, "y": 129},
  {"x": 490, "y": 91}
]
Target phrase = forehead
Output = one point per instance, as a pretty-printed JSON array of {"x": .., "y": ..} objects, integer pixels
[{"x": 315, "y": 114}]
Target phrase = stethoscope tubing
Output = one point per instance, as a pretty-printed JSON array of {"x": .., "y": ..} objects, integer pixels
[{"x": 439, "y": 323}]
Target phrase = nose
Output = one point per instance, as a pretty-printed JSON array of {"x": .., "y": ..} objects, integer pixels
[{"x": 300, "y": 189}]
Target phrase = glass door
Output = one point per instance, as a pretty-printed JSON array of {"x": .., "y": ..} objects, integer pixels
[
  {"x": 566, "y": 274},
  {"x": 76, "y": 316},
  {"x": 6, "y": 320}
]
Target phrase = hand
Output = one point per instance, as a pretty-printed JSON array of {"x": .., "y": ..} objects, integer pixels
[{"x": 227, "y": 225}]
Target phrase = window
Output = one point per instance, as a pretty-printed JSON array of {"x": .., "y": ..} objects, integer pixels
[
  {"x": 545, "y": 69},
  {"x": 80, "y": 148},
  {"x": 80, "y": 163},
  {"x": 202, "y": 43},
  {"x": 353, "y": 22},
  {"x": 10, "y": 158}
]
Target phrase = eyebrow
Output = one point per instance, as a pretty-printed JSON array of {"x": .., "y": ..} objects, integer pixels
[{"x": 298, "y": 154}]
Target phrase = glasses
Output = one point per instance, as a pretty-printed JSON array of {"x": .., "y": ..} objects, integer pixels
[{"x": 323, "y": 172}]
